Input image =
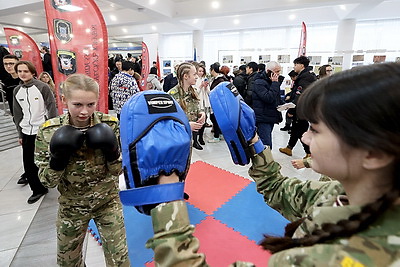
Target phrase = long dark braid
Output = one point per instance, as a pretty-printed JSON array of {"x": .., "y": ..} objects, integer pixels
[{"x": 360, "y": 106}]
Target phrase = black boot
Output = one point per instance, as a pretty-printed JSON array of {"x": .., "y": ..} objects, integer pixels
[
  {"x": 201, "y": 135},
  {"x": 195, "y": 142}
]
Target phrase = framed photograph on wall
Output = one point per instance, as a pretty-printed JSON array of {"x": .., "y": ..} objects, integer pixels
[
  {"x": 358, "y": 58},
  {"x": 284, "y": 58},
  {"x": 338, "y": 60},
  {"x": 315, "y": 60},
  {"x": 167, "y": 63},
  {"x": 244, "y": 60},
  {"x": 379, "y": 59},
  {"x": 264, "y": 58},
  {"x": 227, "y": 59}
]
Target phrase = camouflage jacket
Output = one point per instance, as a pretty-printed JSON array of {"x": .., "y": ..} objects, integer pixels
[
  {"x": 88, "y": 175},
  {"x": 379, "y": 245},
  {"x": 192, "y": 109}
]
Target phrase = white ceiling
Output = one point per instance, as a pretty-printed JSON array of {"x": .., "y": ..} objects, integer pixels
[{"x": 134, "y": 18}]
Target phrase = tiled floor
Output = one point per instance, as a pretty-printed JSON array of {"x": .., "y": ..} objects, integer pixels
[{"x": 27, "y": 232}]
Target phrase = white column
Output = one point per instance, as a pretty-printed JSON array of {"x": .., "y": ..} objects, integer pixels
[
  {"x": 345, "y": 40},
  {"x": 152, "y": 40},
  {"x": 198, "y": 43}
]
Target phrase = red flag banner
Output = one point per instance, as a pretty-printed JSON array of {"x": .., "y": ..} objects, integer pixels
[
  {"x": 79, "y": 43},
  {"x": 158, "y": 66},
  {"x": 303, "y": 40},
  {"x": 145, "y": 67},
  {"x": 24, "y": 47}
]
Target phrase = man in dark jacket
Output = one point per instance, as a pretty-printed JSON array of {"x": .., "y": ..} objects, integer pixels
[
  {"x": 299, "y": 127},
  {"x": 266, "y": 98},
  {"x": 240, "y": 81},
  {"x": 251, "y": 71}
]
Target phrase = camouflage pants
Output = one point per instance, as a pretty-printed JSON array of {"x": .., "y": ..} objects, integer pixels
[{"x": 72, "y": 225}]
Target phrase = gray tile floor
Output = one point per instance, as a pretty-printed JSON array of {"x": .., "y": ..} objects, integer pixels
[{"x": 27, "y": 232}]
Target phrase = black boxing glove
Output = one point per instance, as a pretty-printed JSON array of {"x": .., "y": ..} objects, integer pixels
[
  {"x": 63, "y": 143},
  {"x": 101, "y": 136}
]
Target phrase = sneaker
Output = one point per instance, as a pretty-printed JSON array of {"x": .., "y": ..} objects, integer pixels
[
  {"x": 214, "y": 140},
  {"x": 286, "y": 151},
  {"x": 307, "y": 156},
  {"x": 35, "y": 197},
  {"x": 22, "y": 180}
]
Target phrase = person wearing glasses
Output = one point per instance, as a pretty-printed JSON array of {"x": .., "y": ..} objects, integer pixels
[
  {"x": 12, "y": 80},
  {"x": 325, "y": 71}
]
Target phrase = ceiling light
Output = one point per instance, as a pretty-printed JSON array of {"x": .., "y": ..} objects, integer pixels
[
  {"x": 113, "y": 18},
  {"x": 195, "y": 21},
  {"x": 112, "y": 5},
  {"x": 70, "y": 8},
  {"x": 154, "y": 28},
  {"x": 27, "y": 20},
  {"x": 152, "y": 2},
  {"x": 130, "y": 44},
  {"x": 101, "y": 40},
  {"x": 292, "y": 17},
  {"x": 215, "y": 4},
  {"x": 236, "y": 21},
  {"x": 80, "y": 22},
  {"x": 114, "y": 45},
  {"x": 124, "y": 30},
  {"x": 342, "y": 7},
  {"x": 20, "y": 29},
  {"x": 87, "y": 30}
]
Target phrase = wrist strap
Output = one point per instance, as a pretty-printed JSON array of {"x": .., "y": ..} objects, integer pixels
[{"x": 152, "y": 194}]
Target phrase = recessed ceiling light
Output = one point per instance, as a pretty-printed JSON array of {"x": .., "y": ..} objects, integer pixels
[
  {"x": 195, "y": 21},
  {"x": 27, "y": 20},
  {"x": 292, "y": 17},
  {"x": 130, "y": 44},
  {"x": 154, "y": 28},
  {"x": 101, "y": 40},
  {"x": 124, "y": 30},
  {"x": 215, "y": 4},
  {"x": 152, "y": 2},
  {"x": 87, "y": 30},
  {"x": 236, "y": 21},
  {"x": 113, "y": 18},
  {"x": 342, "y": 7},
  {"x": 80, "y": 22},
  {"x": 112, "y": 5}
]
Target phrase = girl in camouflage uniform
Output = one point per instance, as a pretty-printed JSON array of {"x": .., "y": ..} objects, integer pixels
[
  {"x": 79, "y": 153},
  {"x": 188, "y": 99},
  {"x": 351, "y": 221}
]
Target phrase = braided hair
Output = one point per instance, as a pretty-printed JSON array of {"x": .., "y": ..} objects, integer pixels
[
  {"x": 184, "y": 68},
  {"x": 361, "y": 107}
]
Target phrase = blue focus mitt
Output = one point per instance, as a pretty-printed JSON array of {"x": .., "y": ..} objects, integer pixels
[
  {"x": 155, "y": 140},
  {"x": 236, "y": 121}
]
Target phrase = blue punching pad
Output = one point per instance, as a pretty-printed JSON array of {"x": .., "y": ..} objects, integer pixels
[
  {"x": 155, "y": 140},
  {"x": 236, "y": 121}
]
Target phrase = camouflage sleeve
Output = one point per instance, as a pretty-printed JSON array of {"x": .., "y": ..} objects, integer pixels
[
  {"x": 173, "y": 241},
  {"x": 291, "y": 197},
  {"x": 48, "y": 177},
  {"x": 307, "y": 162},
  {"x": 356, "y": 252},
  {"x": 115, "y": 167}
]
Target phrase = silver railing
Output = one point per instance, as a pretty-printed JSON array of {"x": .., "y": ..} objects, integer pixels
[{"x": 3, "y": 98}]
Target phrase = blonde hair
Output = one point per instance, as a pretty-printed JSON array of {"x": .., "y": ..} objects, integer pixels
[
  {"x": 50, "y": 83},
  {"x": 183, "y": 69},
  {"x": 79, "y": 82}
]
